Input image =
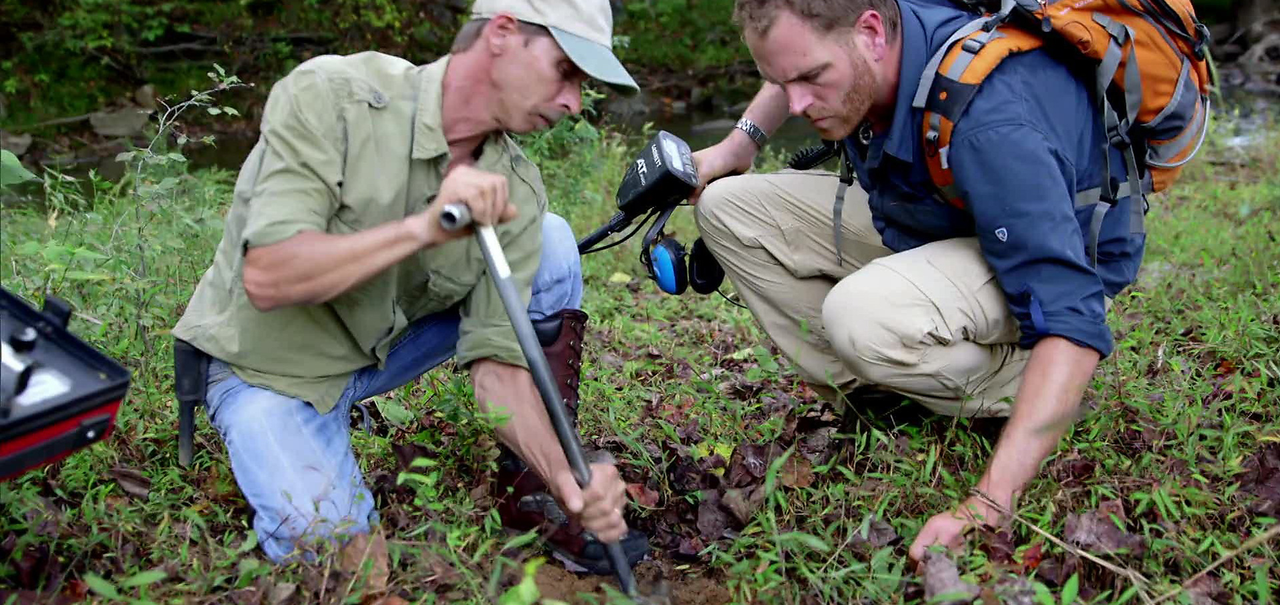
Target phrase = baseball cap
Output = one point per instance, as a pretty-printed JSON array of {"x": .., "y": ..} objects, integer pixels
[{"x": 582, "y": 28}]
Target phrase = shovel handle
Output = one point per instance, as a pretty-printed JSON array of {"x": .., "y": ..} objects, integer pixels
[{"x": 457, "y": 216}]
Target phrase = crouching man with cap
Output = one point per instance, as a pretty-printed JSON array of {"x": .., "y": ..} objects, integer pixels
[{"x": 334, "y": 283}]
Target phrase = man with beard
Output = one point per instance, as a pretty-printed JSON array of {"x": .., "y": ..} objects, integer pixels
[
  {"x": 334, "y": 281},
  {"x": 990, "y": 310}
]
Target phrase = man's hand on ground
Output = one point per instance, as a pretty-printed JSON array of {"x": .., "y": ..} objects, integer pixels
[
  {"x": 949, "y": 528},
  {"x": 484, "y": 193},
  {"x": 599, "y": 506}
]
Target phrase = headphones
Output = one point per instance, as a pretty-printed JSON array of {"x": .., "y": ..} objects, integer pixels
[
  {"x": 653, "y": 187},
  {"x": 664, "y": 259}
]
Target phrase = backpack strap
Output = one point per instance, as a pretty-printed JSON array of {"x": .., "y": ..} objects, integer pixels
[
  {"x": 953, "y": 75},
  {"x": 1094, "y": 197},
  {"x": 951, "y": 78}
]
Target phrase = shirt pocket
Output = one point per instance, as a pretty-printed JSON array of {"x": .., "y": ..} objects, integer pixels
[{"x": 450, "y": 274}]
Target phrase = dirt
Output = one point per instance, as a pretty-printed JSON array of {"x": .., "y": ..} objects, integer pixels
[{"x": 556, "y": 583}]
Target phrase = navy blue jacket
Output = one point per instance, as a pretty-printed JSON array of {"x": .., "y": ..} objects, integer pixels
[{"x": 1027, "y": 143}]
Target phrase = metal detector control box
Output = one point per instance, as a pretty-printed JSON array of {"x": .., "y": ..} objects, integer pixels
[
  {"x": 662, "y": 176},
  {"x": 57, "y": 394}
]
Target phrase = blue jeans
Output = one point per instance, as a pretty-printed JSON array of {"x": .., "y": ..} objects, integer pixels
[{"x": 295, "y": 466}]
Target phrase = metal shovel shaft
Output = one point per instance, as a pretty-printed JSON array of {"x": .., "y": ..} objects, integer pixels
[{"x": 457, "y": 216}]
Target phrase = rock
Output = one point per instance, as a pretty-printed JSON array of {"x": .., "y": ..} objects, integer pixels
[
  {"x": 1255, "y": 19},
  {"x": 713, "y": 126},
  {"x": 1265, "y": 52},
  {"x": 120, "y": 122},
  {"x": 1262, "y": 64},
  {"x": 145, "y": 97},
  {"x": 699, "y": 98},
  {"x": 17, "y": 144},
  {"x": 624, "y": 107}
]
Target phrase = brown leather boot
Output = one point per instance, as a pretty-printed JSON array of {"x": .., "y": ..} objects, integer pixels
[{"x": 524, "y": 502}]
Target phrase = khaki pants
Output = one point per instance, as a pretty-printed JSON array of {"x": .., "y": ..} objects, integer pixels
[{"x": 930, "y": 323}]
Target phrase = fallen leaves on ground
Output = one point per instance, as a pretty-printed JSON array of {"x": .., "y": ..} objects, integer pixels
[
  {"x": 942, "y": 583},
  {"x": 1097, "y": 531},
  {"x": 1262, "y": 480},
  {"x": 365, "y": 556},
  {"x": 796, "y": 472},
  {"x": 132, "y": 482}
]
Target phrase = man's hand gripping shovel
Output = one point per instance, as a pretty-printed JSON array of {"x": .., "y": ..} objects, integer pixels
[{"x": 458, "y": 216}]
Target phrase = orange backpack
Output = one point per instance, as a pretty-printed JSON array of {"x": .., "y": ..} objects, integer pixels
[{"x": 1152, "y": 83}]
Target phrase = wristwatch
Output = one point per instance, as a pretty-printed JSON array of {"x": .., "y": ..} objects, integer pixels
[{"x": 752, "y": 131}]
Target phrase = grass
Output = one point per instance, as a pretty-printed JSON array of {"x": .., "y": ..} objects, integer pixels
[{"x": 687, "y": 393}]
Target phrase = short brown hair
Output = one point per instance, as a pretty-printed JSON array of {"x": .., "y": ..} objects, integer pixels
[
  {"x": 470, "y": 32},
  {"x": 757, "y": 16}
]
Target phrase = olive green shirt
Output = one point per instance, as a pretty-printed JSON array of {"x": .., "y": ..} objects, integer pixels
[{"x": 349, "y": 143}]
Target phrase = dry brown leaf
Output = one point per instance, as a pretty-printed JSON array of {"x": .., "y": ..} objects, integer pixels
[
  {"x": 642, "y": 495},
  {"x": 942, "y": 579},
  {"x": 712, "y": 519},
  {"x": 390, "y": 600},
  {"x": 131, "y": 481},
  {"x": 743, "y": 502},
  {"x": 365, "y": 555},
  {"x": 1096, "y": 532},
  {"x": 280, "y": 593},
  {"x": 796, "y": 472},
  {"x": 877, "y": 535}
]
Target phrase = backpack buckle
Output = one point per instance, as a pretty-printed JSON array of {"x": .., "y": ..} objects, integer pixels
[
  {"x": 1119, "y": 139},
  {"x": 1202, "y": 41}
]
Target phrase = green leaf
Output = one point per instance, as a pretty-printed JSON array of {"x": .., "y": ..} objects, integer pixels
[
  {"x": 1071, "y": 589},
  {"x": 250, "y": 543},
  {"x": 126, "y": 156},
  {"x": 394, "y": 412},
  {"x": 87, "y": 254},
  {"x": 221, "y": 72},
  {"x": 144, "y": 578},
  {"x": 771, "y": 477},
  {"x": 100, "y": 586},
  {"x": 526, "y": 592},
  {"x": 951, "y": 597},
  {"x": 77, "y": 275},
  {"x": 177, "y": 157},
  {"x": 213, "y": 111},
  {"x": 167, "y": 183},
  {"x": 810, "y": 541},
  {"x": 12, "y": 171},
  {"x": 1043, "y": 595},
  {"x": 521, "y": 541},
  {"x": 231, "y": 111}
]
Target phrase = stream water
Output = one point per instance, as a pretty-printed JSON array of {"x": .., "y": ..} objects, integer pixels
[{"x": 698, "y": 129}]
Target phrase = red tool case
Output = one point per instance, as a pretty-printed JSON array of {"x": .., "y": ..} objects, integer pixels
[{"x": 57, "y": 394}]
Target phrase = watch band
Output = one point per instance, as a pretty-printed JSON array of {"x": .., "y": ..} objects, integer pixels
[{"x": 752, "y": 131}]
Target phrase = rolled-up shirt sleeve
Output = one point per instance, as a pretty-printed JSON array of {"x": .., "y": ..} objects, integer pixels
[
  {"x": 299, "y": 179},
  {"x": 485, "y": 331},
  {"x": 1021, "y": 192}
]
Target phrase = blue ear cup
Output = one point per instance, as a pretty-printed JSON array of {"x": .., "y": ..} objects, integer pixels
[{"x": 667, "y": 260}]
